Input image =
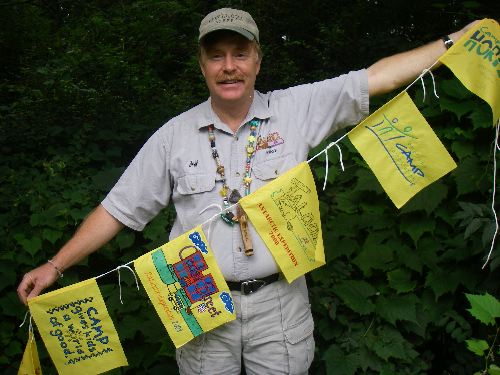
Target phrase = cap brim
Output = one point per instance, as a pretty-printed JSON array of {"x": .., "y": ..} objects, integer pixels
[{"x": 239, "y": 30}]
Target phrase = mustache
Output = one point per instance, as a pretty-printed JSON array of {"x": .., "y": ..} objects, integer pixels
[{"x": 230, "y": 77}]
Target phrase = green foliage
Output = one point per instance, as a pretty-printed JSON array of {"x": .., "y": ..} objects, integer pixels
[
  {"x": 387, "y": 301},
  {"x": 82, "y": 86},
  {"x": 486, "y": 309}
]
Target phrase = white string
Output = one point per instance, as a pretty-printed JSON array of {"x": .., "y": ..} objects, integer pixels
[
  {"x": 340, "y": 156},
  {"x": 25, "y": 317},
  {"x": 326, "y": 170},
  {"x": 422, "y": 74},
  {"x": 433, "y": 83},
  {"x": 423, "y": 84},
  {"x": 421, "y": 77},
  {"x": 120, "y": 280},
  {"x": 114, "y": 269},
  {"x": 325, "y": 150},
  {"x": 211, "y": 221},
  {"x": 327, "y": 147},
  {"x": 223, "y": 210},
  {"x": 493, "y": 195},
  {"x": 30, "y": 329}
]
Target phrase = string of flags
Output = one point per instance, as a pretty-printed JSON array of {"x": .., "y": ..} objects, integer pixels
[{"x": 182, "y": 278}]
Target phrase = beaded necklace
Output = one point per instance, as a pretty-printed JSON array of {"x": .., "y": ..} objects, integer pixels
[{"x": 233, "y": 196}]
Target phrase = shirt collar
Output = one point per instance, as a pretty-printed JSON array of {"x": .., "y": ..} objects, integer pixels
[{"x": 259, "y": 109}]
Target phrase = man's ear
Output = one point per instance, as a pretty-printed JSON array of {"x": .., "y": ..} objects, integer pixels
[{"x": 202, "y": 68}]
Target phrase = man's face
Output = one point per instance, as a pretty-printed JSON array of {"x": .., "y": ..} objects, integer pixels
[{"x": 230, "y": 65}]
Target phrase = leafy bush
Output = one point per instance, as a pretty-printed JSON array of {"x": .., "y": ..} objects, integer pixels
[{"x": 83, "y": 84}]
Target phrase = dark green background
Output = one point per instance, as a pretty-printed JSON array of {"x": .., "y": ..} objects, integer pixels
[{"x": 84, "y": 83}]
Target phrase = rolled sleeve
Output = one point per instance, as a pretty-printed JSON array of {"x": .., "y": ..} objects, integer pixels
[{"x": 145, "y": 187}]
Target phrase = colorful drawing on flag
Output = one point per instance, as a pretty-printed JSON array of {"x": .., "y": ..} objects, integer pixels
[
  {"x": 401, "y": 149},
  {"x": 77, "y": 330},
  {"x": 475, "y": 60},
  {"x": 285, "y": 214},
  {"x": 30, "y": 364},
  {"x": 186, "y": 287}
]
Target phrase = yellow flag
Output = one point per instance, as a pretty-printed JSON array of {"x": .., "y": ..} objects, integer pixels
[
  {"x": 186, "y": 287},
  {"x": 401, "y": 149},
  {"x": 77, "y": 330},
  {"x": 475, "y": 60},
  {"x": 30, "y": 364},
  {"x": 285, "y": 213}
]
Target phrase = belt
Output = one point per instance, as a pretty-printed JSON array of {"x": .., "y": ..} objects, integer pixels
[{"x": 253, "y": 285}]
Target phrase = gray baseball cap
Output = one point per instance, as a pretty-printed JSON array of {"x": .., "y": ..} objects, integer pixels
[{"x": 230, "y": 19}]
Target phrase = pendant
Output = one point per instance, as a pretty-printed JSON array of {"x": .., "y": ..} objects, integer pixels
[
  {"x": 229, "y": 218},
  {"x": 245, "y": 231},
  {"x": 234, "y": 197}
]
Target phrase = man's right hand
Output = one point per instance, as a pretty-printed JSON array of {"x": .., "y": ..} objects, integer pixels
[{"x": 35, "y": 281}]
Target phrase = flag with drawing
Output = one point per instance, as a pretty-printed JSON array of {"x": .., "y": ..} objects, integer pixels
[
  {"x": 401, "y": 149},
  {"x": 186, "y": 287},
  {"x": 30, "y": 364},
  {"x": 77, "y": 329},
  {"x": 475, "y": 60},
  {"x": 285, "y": 214}
]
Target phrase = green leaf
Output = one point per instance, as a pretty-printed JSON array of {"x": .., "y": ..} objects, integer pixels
[
  {"x": 374, "y": 256},
  {"x": 339, "y": 363},
  {"x": 427, "y": 199},
  {"x": 367, "y": 181},
  {"x": 477, "y": 346},
  {"x": 51, "y": 235},
  {"x": 400, "y": 280},
  {"x": 388, "y": 343},
  {"x": 473, "y": 226},
  {"x": 467, "y": 175},
  {"x": 397, "y": 308},
  {"x": 462, "y": 148},
  {"x": 485, "y": 308},
  {"x": 459, "y": 108},
  {"x": 482, "y": 117},
  {"x": 125, "y": 239},
  {"x": 345, "y": 202},
  {"x": 455, "y": 89},
  {"x": 441, "y": 282},
  {"x": 415, "y": 226},
  {"x": 32, "y": 245},
  {"x": 355, "y": 295},
  {"x": 494, "y": 370},
  {"x": 408, "y": 257}
]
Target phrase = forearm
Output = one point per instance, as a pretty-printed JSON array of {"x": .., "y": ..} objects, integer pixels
[
  {"x": 395, "y": 71},
  {"x": 95, "y": 231}
]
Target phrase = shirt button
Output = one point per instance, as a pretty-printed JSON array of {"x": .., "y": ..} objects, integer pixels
[
  {"x": 237, "y": 174},
  {"x": 193, "y": 188},
  {"x": 276, "y": 172}
]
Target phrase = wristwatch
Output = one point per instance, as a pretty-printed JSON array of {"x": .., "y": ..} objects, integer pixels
[{"x": 447, "y": 41}]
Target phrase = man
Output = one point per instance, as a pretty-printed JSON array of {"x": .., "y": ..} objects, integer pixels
[{"x": 210, "y": 156}]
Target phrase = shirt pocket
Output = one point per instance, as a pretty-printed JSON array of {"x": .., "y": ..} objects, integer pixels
[
  {"x": 194, "y": 193},
  {"x": 195, "y": 183},
  {"x": 269, "y": 169}
]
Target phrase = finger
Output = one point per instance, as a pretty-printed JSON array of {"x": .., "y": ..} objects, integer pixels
[
  {"x": 25, "y": 287},
  {"x": 35, "y": 291}
]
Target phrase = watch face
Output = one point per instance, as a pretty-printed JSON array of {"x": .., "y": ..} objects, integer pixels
[{"x": 447, "y": 41}]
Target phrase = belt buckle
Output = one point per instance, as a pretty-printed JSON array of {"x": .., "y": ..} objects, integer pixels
[{"x": 250, "y": 284}]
